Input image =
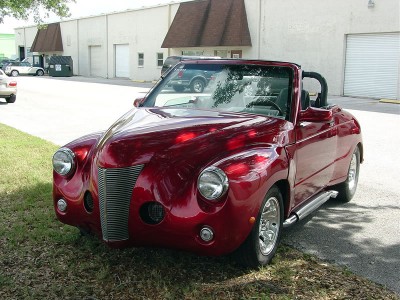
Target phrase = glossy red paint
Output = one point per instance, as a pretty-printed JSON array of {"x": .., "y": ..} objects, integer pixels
[{"x": 308, "y": 152}]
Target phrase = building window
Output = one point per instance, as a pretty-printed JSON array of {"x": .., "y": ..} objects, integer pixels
[
  {"x": 193, "y": 52},
  {"x": 160, "y": 59},
  {"x": 141, "y": 60},
  {"x": 221, "y": 53}
]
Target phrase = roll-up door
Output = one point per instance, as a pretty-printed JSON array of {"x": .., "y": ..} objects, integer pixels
[
  {"x": 372, "y": 65},
  {"x": 122, "y": 61},
  {"x": 96, "y": 63}
]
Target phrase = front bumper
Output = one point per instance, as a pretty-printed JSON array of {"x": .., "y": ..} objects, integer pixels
[{"x": 117, "y": 217}]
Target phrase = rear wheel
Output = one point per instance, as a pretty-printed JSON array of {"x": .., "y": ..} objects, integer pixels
[
  {"x": 39, "y": 73},
  {"x": 14, "y": 73},
  {"x": 260, "y": 246},
  {"x": 348, "y": 188},
  {"x": 11, "y": 99},
  {"x": 197, "y": 86}
]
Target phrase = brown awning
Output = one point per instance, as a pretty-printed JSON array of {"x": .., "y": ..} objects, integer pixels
[
  {"x": 209, "y": 23},
  {"x": 48, "y": 39}
]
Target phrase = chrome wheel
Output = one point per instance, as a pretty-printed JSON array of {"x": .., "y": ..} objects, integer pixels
[
  {"x": 352, "y": 176},
  {"x": 197, "y": 86},
  {"x": 269, "y": 226},
  {"x": 348, "y": 188},
  {"x": 260, "y": 246}
]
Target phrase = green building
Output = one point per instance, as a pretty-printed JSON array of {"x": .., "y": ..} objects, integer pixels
[{"x": 7, "y": 45}]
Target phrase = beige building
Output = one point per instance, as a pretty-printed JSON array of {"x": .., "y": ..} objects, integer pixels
[{"x": 354, "y": 44}]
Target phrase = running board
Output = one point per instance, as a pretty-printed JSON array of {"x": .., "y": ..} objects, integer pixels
[{"x": 312, "y": 205}]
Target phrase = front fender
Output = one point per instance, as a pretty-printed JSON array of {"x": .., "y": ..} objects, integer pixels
[{"x": 251, "y": 174}]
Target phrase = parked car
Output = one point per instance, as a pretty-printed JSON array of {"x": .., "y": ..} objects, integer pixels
[
  {"x": 4, "y": 62},
  {"x": 23, "y": 68},
  {"x": 8, "y": 88},
  {"x": 215, "y": 173},
  {"x": 171, "y": 61},
  {"x": 195, "y": 80}
]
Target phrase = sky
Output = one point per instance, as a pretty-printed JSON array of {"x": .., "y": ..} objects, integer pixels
[{"x": 84, "y": 8}]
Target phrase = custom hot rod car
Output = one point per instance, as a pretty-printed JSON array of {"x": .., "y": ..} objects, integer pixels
[{"x": 215, "y": 172}]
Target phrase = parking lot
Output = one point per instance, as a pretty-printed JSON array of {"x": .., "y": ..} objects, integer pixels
[{"x": 362, "y": 235}]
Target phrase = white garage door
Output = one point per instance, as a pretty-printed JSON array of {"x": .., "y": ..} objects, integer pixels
[
  {"x": 372, "y": 65},
  {"x": 122, "y": 61},
  {"x": 96, "y": 63}
]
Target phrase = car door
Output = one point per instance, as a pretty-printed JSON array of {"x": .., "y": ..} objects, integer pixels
[
  {"x": 316, "y": 142},
  {"x": 24, "y": 68}
]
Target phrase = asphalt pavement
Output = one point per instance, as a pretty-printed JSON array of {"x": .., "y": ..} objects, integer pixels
[{"x": 363, "y": 235}]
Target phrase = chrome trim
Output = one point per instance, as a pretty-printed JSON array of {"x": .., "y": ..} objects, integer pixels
[
  {"x": 115, "y": 193},
  {"x": 310, "y": 206},
  {"x": 69, "y": 153}
]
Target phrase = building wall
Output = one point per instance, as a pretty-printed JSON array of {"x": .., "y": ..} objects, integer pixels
[
  {"x": 70, "y": 40},
  {"x": 311, "y": 33},
  {"x": 141, "y": 37}
]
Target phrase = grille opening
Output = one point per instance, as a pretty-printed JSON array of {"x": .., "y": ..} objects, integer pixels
[
  {"x": 152, "y": 213},
  {"x": 88, "y": 202}
]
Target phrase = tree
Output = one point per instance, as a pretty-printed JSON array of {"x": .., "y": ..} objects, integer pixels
[{"x": 22, "y": 9}]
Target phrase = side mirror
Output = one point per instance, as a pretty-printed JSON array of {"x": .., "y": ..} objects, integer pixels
[
  {"x": 316, "y": 115},
  {"x": 138, "y": 101}
]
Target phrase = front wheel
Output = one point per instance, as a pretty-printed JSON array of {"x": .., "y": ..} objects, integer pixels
[
  {"x": 39, "y": 73},
  {"x": 14, "y": 73},
  {"x": 260, "y": 246},
  {"x": 348, "y": 188}
]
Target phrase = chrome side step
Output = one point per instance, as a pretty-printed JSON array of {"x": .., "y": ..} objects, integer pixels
[{"x": 312, "y": 205}]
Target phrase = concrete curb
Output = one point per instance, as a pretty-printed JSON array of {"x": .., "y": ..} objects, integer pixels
[
  {"x": 144, "y": 81},
  {"x": 389, "y": 101}
]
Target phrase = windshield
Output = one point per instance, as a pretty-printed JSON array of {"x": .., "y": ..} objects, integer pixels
[{"x": 235, "y": 88}]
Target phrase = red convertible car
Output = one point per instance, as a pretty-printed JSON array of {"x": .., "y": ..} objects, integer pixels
[{"x": 215, "y": 172}]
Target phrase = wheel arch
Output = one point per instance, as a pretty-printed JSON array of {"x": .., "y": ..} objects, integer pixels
[
  {"x": 361, "y": 149},
  {"x": 284, "y": 187},
  {"x": 202, "y": 78}
]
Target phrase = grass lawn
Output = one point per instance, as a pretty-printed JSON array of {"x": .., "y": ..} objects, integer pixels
[{"x": 40, "y": 258}]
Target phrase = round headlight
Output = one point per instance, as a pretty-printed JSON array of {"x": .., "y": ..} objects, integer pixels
[
  {"x": 212, "y": 183},
  {"x": 64, "y": 161}
]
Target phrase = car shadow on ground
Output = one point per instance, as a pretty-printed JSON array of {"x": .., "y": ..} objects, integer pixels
[
  {"x": 54, "y": 259},
  {"x": 333, "y": 228}
]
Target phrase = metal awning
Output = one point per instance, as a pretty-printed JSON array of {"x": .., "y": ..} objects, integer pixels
[
  {"x": 209, "y": 23},
  {"x": 48, "y": 39}
]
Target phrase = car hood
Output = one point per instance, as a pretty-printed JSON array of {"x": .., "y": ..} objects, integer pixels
[{"x": 167, "y": 135}]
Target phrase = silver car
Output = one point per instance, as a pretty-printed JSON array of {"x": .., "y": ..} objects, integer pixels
[
  {"x": 23, "y": 68},
  {"x": 8, "y": 88}
]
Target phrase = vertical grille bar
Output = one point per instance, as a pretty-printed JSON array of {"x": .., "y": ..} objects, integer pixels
[{"x": 115, "y": 192}]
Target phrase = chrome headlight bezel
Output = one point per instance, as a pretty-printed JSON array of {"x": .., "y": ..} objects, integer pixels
[
  {"x": 64, "y": 161},
  {"x": 212, "y": 183}
]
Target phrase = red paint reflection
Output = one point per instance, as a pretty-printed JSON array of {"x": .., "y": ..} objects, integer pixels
[{"x": 184, "y": 137}]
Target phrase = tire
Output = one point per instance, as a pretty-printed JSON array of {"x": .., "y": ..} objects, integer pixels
[
  {"x": 39, "y": 73},
  {"x": 197, "y": 86},
  {"x": 255, "y": 251},
  {"x": 348, "y": 188},
  {"x": 14, "y": 73},
  {"x": 178, "y": 88},
  {"x": 11, "y": 99}
]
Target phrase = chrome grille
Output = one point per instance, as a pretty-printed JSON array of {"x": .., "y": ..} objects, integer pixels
[{"x": 115, "y": 192}]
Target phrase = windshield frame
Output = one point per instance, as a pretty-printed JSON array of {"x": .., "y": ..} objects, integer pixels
[{"x": 292, "y": 69}]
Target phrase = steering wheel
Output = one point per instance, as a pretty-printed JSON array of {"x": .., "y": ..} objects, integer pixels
[{"x": 268, "y": 101}]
